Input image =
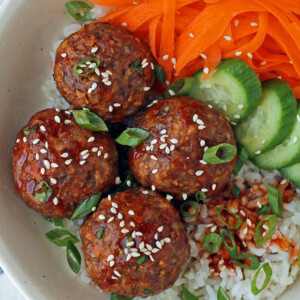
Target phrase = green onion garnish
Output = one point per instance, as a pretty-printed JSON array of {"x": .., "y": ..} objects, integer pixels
[
  {"x": 212, "y": 242},
  {"x": 227, "y": 154},
  {"x": 160, "y": 74},
  {"x": 60, "y": 237},
  {"x": 57, "y": 222},
  {"x": 142, "y": 259},
  {"x": 238, "y": 261},
  {"x": 200, "y": 196},
  {"x": 79, "y": 10},
  {"x": 132, "y": 137},
  {"x": 29, "y": 130},
  {"x": 226, "y": 234},
  {"x": 242, "y": 158},
  {"x": 275, "y": 200},
  {"x": 259, "y": 239},
  {"x": 264, "y": 210},
  {"x": 100, "y": 234},
  {"x": 236, "y": 191},
  {"x": 268, "y": 274},
  {"x": 89, "y": 120},
  {"x": 114, "y": 296},
  {"x": 237, "y": 217},
  {"x": 92, "y": 63},
  {"x": 180, "y": 87},
  {"x": 222, "y": 294},
  {"x": 86, "y": 206},
  {"x": 73, "y": 257},
  {"x": 186, "y": 206},
  {"x": 147, "y": 292},
  {"x": 43, "y": 191},
  {"x": 299, "y": 261},
  {"x": 188, "y": 295},
  {"x": 137, "y": 67}
]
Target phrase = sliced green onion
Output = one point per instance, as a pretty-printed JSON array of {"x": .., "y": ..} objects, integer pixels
[
  {"x": 160, "y": 74},
  {"x": 57, "y": 222},
  {"x": 258, "y": 235},
  {"x": 73, "y": 257},
  {"x": 186, "y": 206},
  {"x": 237, "y": 217},
  {"x": 89, "y": 120},
  {"x": 43, "y": 191},
  {"x": 275, "y": 200},
  {"x": 242, "y": 158},
  {"x": 200, "y": 196},
  {"x": 212, "y": 242},
  {"x": 226, "y": 234},
  {"x": 29, "y": 130},
  {"x": 188, "y": 295},
  {"x": 100, "y": 234},
  {"x": 264, "y": 210},
  {"x": 268, "y": 274},
  {"x": 61, "y": 237},
  {"x": 137, "y": 67},
  {"x": 142, "y": 259},
  {"x": 236, "y": 191},
  {"x": 228, "y": 154},
  {"x": 147, "y": 292},
  {"x": 86, "y": 206},
  {"x": 222, "y": 294},
  {"x": 180, "y": 87},
  {"x": 254, "y": 261},
  {"x": 299, "y": 261},
  {"x": 80, "y": 11},
  {"x": 114, "y": 296},
  {"x": 132, "y": 137},
  {"x": 79, "y": 72}
]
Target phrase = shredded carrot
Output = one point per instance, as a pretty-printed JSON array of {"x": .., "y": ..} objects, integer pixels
[{"x": 184, "y": 35}]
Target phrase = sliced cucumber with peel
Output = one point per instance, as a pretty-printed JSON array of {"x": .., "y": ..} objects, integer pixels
[
  {"x": 271, "y": 122},
  {"x": 284, "y": 155},
  {"x": 234, "y": 89},
  {"x": 292, "y": 173}
]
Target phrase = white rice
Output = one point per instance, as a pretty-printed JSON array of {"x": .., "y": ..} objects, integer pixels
[{"x": 196, "y": 273}]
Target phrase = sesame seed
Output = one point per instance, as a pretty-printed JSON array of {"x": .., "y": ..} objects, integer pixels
[
  {"x": 131, "y": 212},
  {"x": 99, "y": 153},
  {"x": 238, "y": 53},
  {"x": 156, "y": 236},
  {"x": 265, "y": 226},
  {"x": 94, "y": 50},
  {"x": 160, "y": 229},
  {"x": 169, "y": 197},
  {"x": 113, "y": 210},
  {"x": 64, "y": 55},
  {"x": 191, "y": 35},
  {"x": 225, "y": 107},
  {"x": 135, "y": 254},
  {"x": 250, "y": 55},
  {"x": 253, "y": 24},
  {"x": 242, "y": 213},
  {"x": 117, "y": 104},
  {"x": 122, "y": 224},
  {"x": 163, "y": 146},
  {"x": 129, "y": 244},
  {"x": 128, "y": 257},
  {"x": 236, "y": 23},
  {"x": 114, "y": 204},
  {"x": 57, "y": 119},
  {"x": 154, "y": 141},
  {"x": 209, "y": 225},
  {"x": 124, "y": 24},
  {"x": 204, "y": 190},
  {"x": 174, "y": 141},
  {"x": 94, "y": 85},
  {"x": 213, "y": 187},
  {"x": 35, "y": 141},
  {"x": 82, "y": 162},
  {"x": 203, "y": 56},
  {"x": 110, "y": 220},
  {"x": 89, "y": 91},
  {"x": 91, "y": 139},
  {"x": 249, "y": 222},
  {"x": 43, "y": 150},
  {"x": 47, "y": 164},
  {"x": 202, "y": 143},
  {"x": 104, "y": 74},
  {"x": 158, "y": 244},
  {"x": 120, "y": 216},
  {"x": 146, "y": 88},
  {"x": 132, "y": 224},
  {"x": 68, "y": 122},
  {"x": 94, "y": 208},
  {"x": 213, "y": 229},
  {"x": 84, "y": 152},
  {"x": 171, "y": 92},
  {"x": 145, "y": 65},
  {"x": 133, "y": 235},
  {"x": 110, "y": 108},
  {"x": 227, "y": 38},
  {"x": 206, "y": 70},
  {"x": 68, "y": 161},
  {"x": 53, "y": 181},
  {"x": 173, "y": 60},
  {"x": 42, "y": 171},
  {"x": 97, "y": 71},
  {"x": 110, "y": 257},
  {"x": 105, "y": 155},
  {"x": 184, "y": 196},
  {"x": 237, "y": 116},
  {"x": 138, "y": 233},
  {"x": 95, "y": 149},
  {"x": 145, "y": 192},
  {"x": 112, "y": 263},
  {"x": 199, "y": 173},
  {"x": 54, "y": 165},
  {"x": 114, "y": 277},
  {"x": 18, "y": 141},
  {"x": 154, "y": 250},
  {"x": 65, "y": 155},
  {"x": 37, "y": 157},
  {"x": 203, "y": 162},
  {"x": 55, "y": 201},
  {"x": 258, "y": 204},
  {"x": 195, "y": 118},
  {"x": 295, "y": 139},
  {"x": 167, "y": 240},
  {"x": 124, "y": 230},
  {"x": 240, "y": 106},
  {"x": 165, "y": 57},
  {"x": 118, "y": 180},
  {"x": 245, "y": 230},
  {"x": 263, "y": 63},
  {"x": 258, "y": 152},
  {"x": 154, "y": 171}
]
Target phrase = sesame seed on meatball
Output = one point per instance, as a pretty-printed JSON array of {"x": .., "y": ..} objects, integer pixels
[
  {"x": 119, "y": 86},
  {"x": 134, "y": 244},
  {"x": 181, "y": 130},
  {"x": 57, "y": 163}
]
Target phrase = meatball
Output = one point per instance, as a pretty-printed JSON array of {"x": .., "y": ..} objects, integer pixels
[
  {"x": 57, "y": 163},
  {"x": 121, "y": 83},
  {"x": 134, "y": 244},
  {"x": 171, "y": 159}
]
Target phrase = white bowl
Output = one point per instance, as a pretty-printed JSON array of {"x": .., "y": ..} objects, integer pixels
[{"x": 38, "y": 268}]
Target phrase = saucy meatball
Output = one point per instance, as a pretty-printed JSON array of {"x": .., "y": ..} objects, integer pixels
[
  {"x": 181, "y": 130},
  {"x": 120, "y": 67},
  {"x": 57, "y": 163},
  {"x": 134, "y": 244}
]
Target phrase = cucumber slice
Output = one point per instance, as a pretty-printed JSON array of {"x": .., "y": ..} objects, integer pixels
[
  {"x": 292, "y": 173},
  {"x": 271, "y": 122},
  {"x": 234, "y": 89},
  {"x": 285, "y": 154}
]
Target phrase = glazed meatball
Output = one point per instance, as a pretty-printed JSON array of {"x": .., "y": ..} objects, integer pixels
[
  {"x": 134, "y": 244},
  {"x": 171, "y": 159},
  {"x": 57, "y": 163},
  {"x": 119, "y": 86}
]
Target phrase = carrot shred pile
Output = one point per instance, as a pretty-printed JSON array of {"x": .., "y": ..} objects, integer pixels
[{"x": 187, "y": 35}]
